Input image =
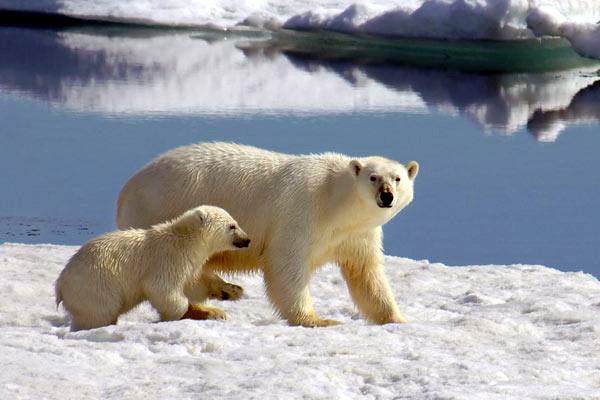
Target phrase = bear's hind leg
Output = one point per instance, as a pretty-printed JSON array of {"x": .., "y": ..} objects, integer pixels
[{"x": 288, "y": 289}]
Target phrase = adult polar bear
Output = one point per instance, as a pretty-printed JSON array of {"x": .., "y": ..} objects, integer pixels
[{"x": 300, "y": 211}]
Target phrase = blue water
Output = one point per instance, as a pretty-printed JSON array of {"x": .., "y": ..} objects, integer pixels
[{"x": 485, "y": 194}]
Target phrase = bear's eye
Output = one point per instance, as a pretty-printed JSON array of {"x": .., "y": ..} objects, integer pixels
[
  {"x": 372, "y": 178},
  {"x": 232, "y": 226},
  {"x": 397, "y": 179}
]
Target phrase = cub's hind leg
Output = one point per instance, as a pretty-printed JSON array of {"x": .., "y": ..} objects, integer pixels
[{"x": 84, "y": 321}]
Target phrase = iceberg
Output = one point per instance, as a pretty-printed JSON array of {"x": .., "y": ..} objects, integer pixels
[
  {"x": 445, "y": 19},
  {"x": 584, "y": 36}
]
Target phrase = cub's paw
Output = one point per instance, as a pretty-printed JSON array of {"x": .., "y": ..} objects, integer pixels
[
  {"x": 227, "y": 291},
  {"x": 198, "y": 312}
]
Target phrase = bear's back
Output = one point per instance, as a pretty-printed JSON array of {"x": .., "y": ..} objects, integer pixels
[{"x": 223, "y": 156}]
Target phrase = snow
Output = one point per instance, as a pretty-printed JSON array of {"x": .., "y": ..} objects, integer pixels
[
  {"x": 446, "y": 19},
  {"x": 584, "y": 36},
  {"x": 475, "y": 332}
]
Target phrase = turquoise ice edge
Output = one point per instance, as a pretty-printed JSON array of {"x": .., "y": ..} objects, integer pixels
[
  {"x": 494, "y": 56},
  {"x": 487, "y": 56}
]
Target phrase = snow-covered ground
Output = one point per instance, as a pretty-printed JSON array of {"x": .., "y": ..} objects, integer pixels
[
  {"x": 441, "y": 19},
  {"x": 475, "y": 332}
]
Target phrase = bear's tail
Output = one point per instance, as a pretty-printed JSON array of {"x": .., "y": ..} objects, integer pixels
[{"x": 58, "y": 294}]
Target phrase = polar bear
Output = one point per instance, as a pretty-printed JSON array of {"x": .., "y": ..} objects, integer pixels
[
  {"x": 302, "y": 211},
  {"x": 113, "y": 273}
]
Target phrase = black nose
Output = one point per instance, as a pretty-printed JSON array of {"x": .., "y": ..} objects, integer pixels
[
  {"x": 386, "y": 199},
  {"x": 242, "y": 243}
]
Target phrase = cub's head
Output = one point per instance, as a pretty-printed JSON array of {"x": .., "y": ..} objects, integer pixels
[
  {"x": 215, "y": 225},
  {"x": 384, "y": 186}
]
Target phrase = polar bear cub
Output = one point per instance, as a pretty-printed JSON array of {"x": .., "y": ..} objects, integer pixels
[{"x": 113, "y": 273}]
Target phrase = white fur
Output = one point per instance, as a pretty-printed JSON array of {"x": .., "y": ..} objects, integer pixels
[
  {"x": 301, "y": 212},
  {"x": 113, "y": 273}
]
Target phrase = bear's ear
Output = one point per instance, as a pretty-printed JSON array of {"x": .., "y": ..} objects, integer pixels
[
  {"x": 356, "y": 166},
  {"x": 413, "y": 169}
]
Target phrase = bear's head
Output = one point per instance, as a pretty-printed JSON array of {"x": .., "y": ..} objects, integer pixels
[
  {"x": 384, "y": 186},
  {"x": 215, "y": 226}
]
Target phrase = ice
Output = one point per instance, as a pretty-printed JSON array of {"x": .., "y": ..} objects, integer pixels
[
  {"x": 575, "y": 20},
  {"x": 493, "y": 332},
  {"x": 584, "y": 36},
  {"x": 445, "y": 19}
]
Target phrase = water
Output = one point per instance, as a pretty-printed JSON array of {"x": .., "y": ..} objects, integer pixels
[{"x": 509, "y": 165}]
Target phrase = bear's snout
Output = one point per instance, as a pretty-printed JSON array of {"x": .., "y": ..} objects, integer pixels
[
  {"x": 241, "y": 242},
  {"x": 385, "y": 199}
]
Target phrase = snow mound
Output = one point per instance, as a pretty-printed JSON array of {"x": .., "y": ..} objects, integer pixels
[
  {"x": 445, "y": 19},
  {"x": 493, "y": 332},
  {"x": 584, "y": 36}
]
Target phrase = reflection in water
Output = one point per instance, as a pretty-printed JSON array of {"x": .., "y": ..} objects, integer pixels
[
  {"x": 584, "y": 108},
  {"x": 183, "y": 72},
  {"x": 496, "y": 102}
]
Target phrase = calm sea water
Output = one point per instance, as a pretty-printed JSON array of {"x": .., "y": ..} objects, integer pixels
[{"x": 509, "y": 160}]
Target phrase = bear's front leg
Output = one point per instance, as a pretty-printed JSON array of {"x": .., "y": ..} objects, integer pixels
[
  {"x": 287, "y": 276},
  {"x": 360, "y": 260}
]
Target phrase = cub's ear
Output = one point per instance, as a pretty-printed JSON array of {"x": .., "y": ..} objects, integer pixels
[
  {"x": 356, "y": 166},
  {"x": 413, "y": 169},
  {"x": 201, "y": 215},
  {"x": 189, "y": 222},
  {"x": 184, "y": 226}
]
